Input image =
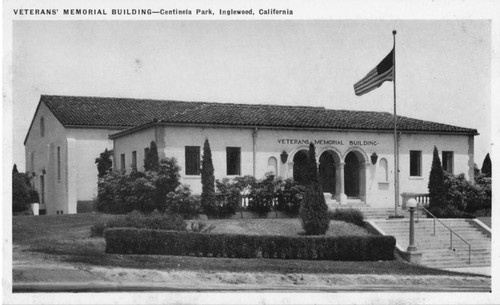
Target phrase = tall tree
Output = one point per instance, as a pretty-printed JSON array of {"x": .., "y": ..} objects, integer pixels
[
  {"x": 437, "y": 191},
  {"x": 486, "y": 168},
  {"x": 314, "y": 211},
  {"x": 151, "y": 160},
  {"x": 104, "y": 163},
  {"x": 14, "y": 169},
  {"x": 208, "y": 203}
]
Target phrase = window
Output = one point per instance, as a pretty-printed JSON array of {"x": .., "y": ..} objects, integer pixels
[
  {"x": 448, "y": 161},
  {"x": 122, "y": 162},
  {"x": 192, "y": 157},
  {"x": 42, "y": 127},
  {"x": 58, "y": 162},
  {"x": 134, "y": 160},
  {"x": 415, "y": 163},
  {"x": 233, "y": 160}
]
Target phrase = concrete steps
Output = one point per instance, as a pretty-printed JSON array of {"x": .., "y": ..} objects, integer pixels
[{"x": 435, "y": 248}]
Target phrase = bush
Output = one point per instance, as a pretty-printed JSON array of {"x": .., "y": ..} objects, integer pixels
[
  {"x": 229, "y": 193},
  {"x": 20, "y": 192},
  {"x": 437, "y": 191},
  {"x": 448, "y": 212},
  {"x": 314, "y": 211},
  {"x": 262, "y": 195},
  {"x": 121, "y": 193},
  {"x": 353, "y": 216},
  {"x": 104, "y": 163},
  {"x": 182, "y": 202},
  {"x": 345, "y": 248},
  {"x": 290, "y": 195},
  {"x": 153, "y": 221},
  {"x": 208, "y": 182}
]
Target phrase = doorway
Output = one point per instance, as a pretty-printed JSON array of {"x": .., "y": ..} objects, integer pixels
[{"x": 327, "y": 172}]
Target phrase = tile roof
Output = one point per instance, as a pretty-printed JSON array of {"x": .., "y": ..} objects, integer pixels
[{"x": 125, "y": 112}]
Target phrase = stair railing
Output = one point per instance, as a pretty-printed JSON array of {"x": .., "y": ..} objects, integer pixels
[{"x": 449, "y": 229}]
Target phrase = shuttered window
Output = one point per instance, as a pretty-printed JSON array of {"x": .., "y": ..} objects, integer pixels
[{"x": 448, "y": 161}]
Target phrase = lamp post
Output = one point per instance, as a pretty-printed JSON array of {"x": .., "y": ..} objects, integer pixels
[{"x": 412, "y": 203}]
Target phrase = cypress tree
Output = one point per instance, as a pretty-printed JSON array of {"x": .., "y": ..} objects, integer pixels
[
  {"x": 104, "y": 163},
  {"x": 14, "y": 169},
  {"x": 486, "y": 168},
  {"x": 437, "y": 191},
  {"x": 313, "y": 211},
  {"x": 208, "y": 203},
  {"x": 151, "y": 160}
]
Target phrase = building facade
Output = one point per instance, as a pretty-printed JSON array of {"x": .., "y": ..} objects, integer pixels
[{"x": 354, "y": 149}]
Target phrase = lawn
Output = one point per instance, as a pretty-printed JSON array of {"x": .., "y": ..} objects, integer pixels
[{"x": 67, "y": 238}]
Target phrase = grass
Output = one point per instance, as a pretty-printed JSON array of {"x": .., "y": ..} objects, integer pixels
[{"x": 67, "y": 238}]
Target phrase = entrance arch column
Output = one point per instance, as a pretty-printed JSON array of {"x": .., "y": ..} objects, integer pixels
[{"x": 342, "y": 196}]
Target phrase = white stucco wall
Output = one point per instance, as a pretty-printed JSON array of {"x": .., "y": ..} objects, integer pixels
[
  {"x": 45, "y": 150},
  {"x": 78, "y": 173},
  {"x": 379, "y": 191}
]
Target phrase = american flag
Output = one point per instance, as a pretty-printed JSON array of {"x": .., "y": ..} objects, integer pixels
[{"x": 384, "y": 71}]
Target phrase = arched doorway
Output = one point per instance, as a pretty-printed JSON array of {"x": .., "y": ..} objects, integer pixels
[
  {"x": 300, "y": 166},
  {"x": 327, "y": 172},
  {"x": 352, "y": 175}
]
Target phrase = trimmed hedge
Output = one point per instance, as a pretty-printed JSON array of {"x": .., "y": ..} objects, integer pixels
[
  {"x": 344, "y": 248},
  {"x": 353, "y": 216}
]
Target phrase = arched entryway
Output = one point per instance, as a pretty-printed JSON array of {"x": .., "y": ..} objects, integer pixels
[
  {"x": 327, "y": 173},
  {"x": 355, "y": 175},
  {"x": 300, "y": 166},
  {"x": 351, "y": 175}
]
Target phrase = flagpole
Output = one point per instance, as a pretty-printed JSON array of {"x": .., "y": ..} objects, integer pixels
[{"x": 396, "y": 144}]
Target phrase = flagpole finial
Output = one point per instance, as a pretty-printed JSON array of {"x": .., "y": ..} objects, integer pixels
[{"x": 394, "y": 32}]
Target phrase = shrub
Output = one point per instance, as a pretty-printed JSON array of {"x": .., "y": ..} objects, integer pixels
[
  {"x": 344, "y": 248},
  {"x": 448, "y": 212},
  {"x": 104, "y": 163},
  {"x": 437, "y": 191},
  {"x": 135, "y": 219},
  {"x": 353, "y": 216},
  {"x": 313, "y": 212},
  {"x": 262, "y": 195},
  {"x": 182, "y": 202},
  {"x": 20, "y": 192},
  {"x": 208, "y": 203},
  {"x": 151, "y": 160},
  {"x": 229, "y": 194},
  {"x": 290, "y": 195},
  {"x": 120, "y": 193}
]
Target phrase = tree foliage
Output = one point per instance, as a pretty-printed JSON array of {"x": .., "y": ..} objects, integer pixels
[
  {"x": 151, "y": 159},
  {"x": 104, "y": 163},
  {"x": 314, "y": 211},
  {"x": 486, "y": 168},
  {"x": 437, "y": 191},
  {"x": 208, "y": 202}
]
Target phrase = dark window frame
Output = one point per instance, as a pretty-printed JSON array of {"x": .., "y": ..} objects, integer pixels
[
  {"x": 134, "y": 160},
  {"x": 415, "y": 163},
  {"x": 233, "y": 161},
  {"x": 192, "y": 160},
  {"x": 448, "y": 160},
  {"x": 122, "y": 162}
]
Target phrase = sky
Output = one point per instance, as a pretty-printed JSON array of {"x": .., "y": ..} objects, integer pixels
[{"x": 443, "y": 68}]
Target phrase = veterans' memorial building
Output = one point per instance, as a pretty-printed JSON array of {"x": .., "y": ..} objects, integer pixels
[{"x": 354, "y": 149}]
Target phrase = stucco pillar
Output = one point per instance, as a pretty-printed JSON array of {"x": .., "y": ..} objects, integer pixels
[
  {"x": 342, "y": 195},
  {"x": 71, "y": 182}
]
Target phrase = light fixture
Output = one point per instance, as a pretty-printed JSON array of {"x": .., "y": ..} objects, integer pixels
[{"x": 374, "y": 158}]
